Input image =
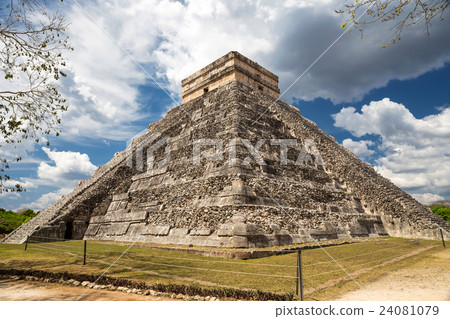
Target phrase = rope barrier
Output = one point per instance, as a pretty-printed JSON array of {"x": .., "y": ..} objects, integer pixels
[
  {"x": 219, "y": 261},
  {"x": 169, "y": 265},
  {"x": 48, "y": 243},
  {"x": 52, "y": 238},
  {"x": 251, "y": 264},
  {"x": 215, "y": 270},
  {"x": 43, "y": 247},
  {"x": 355, "y": 266},
  {"x": 261, "y": 264},
  {"x": 48, "y": 248},
  {"x": 353, "y": 256}
]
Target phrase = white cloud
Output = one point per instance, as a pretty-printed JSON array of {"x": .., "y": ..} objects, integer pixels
[
  {"x": 416, "y": 155},
  {"x": 27, "y": 184},
  {"x": 179, "y": 39},
  {"x": 172, "y": 39},
  {"x": 45, "y": 200},
  {"x": 70, "y": 167},
  {"x": 360, "y": 148},
  {"x": 427, "y": 198},
  {"x": 306, "y": 3},
  {"x": 10, "y": 195},
  {"x": 102, "y": 83},
  {"x": 394, "y": 122},
  {"x": 176, "y": 39}
]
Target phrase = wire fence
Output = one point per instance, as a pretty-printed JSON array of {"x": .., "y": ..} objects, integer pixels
[{"x": 246, "y": 274}]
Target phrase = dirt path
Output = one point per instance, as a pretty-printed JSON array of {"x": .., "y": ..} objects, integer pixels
[
  {"x": 426, "y": 280},
  {"x": 19, "y": 290},
  {"x": 359, "y": 272}
]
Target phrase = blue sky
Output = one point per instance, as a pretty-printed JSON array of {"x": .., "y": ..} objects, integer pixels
[{"x": 391, "y": 106}]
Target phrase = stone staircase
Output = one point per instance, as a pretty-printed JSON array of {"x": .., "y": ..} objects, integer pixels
[{"x": 59, "y": 208}]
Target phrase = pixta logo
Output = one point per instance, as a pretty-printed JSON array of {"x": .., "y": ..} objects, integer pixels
[
  {"x": 141, "y": 152},
  {"x": 308, "y": 151}
]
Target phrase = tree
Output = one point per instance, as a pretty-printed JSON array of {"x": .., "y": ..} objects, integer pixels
[
  {"x": 402, "y": 13},
  {"x": 444, "y": 212},
  {"x": 10, "y": 220},
  {"x": 31, "y": 44}
]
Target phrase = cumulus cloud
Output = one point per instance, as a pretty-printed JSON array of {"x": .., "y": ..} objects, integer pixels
[
  {"x": 415, "y": 151},
  {"x": 69, "y": 168},
  {"x": 10, "y": 195},
  {"x": 360, "y": 148},
  {"x": 102, "y": 83},
  {"x": 427, "y": 198},
  {"x": 178, "y": 38},
  {"x": 352, "y": 67},
  {"x": 27, "y": 184},
  {"x": 172, "y": 39},
  {"x": 46, "y": 200}
]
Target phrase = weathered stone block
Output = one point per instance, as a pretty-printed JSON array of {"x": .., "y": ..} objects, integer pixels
[
  {"x": 225, "y": 230},
  {"x": 118, "y": 229},
  {"x": 201, "y": 232},
  {"x": 275, "y": 228},
  {"x": 120, "y": 197},
  {"x": 138, "y": 216},
  {"x": 239, "y": 241},
  {"x": 97, "y": 219},
  {"x": 103, "y": 230},
  {"x": 179, "y": 232},
  {"x": 239, "y": 229},
  {"x": 92, "y": 230},
  {"x": 158, "y": 230},
  {"x": 355, "y": 229}
]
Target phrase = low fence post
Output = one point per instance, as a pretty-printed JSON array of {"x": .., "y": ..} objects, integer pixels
[
  {"x": 26, "y": 243},
  {"x": 442, "y": 236},
  {"x": 299, "y": 275},
  {"x": 84, "y": 256}
]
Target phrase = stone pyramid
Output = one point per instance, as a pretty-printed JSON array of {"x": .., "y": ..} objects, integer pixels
[{"x": 214, "y": 172}]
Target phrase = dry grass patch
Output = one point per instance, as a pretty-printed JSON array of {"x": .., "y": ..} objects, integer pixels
[{"x": 275, "y": 273}]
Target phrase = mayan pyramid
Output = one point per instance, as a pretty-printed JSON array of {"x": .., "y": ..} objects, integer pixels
[{"x": 243, "y": 191}]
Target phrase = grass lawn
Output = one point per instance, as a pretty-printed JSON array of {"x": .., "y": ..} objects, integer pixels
[{"x": 275, "y": 273}]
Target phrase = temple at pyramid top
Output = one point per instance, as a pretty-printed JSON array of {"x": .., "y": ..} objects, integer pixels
[{"x": 231, "y": 67}]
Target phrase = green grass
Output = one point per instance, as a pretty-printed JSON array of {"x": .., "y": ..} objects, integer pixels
[{"x": 273, "y": 273}]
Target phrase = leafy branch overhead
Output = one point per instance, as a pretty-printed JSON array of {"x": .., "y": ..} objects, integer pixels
[
  {"x": 31, "y": 44},
  {"x": 401, "y": 13}
]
